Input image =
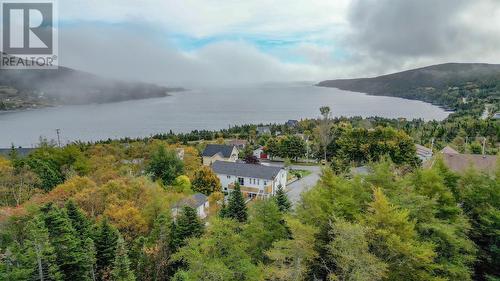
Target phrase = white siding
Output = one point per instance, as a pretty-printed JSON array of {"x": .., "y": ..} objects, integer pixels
[{"x": 280, "y": 179}]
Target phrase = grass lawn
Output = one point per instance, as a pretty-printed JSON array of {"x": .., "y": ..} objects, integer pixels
[{"x": 298, "y": 174}]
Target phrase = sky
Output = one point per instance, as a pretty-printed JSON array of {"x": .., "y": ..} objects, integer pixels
[{"x": 225, "y": 42}]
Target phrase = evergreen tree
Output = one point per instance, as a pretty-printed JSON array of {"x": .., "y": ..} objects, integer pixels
[
  {"x": 140, "y": 258},
  {"x": 35, "y": 260},
  {"x": 350, "y": 252},
  {"x": 165, "y": 166},
  {"x": 89, "y": 247},
  {"x": 187, "y": 225},
  {"x": 71, "y": 257},
  {"x": 82, "y": 226},
  {"x": 265, "y": 226},
  {"x": 121, "y": 265},
  {"x": 161, "y": 240},
  {"x": 105, "y": 245},
  {"x": 79, "y": 221},
  {"x": 38, "y": 243},
  {"x": 282, "y": 200},
  {"x": 237, "y": 208},
  {"x": 393, "y": 239},
  {"x": 220, "y": 254},
  {"x": 223, "y": 210}
]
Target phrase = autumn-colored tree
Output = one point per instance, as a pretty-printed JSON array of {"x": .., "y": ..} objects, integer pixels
[
  {"x": 206, "y": 181},
  {"x": 182, "y": 184},
  {"x": 17, "y": 184}
]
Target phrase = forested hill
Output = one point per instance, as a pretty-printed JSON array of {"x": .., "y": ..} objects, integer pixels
[
  {"x": 443, "y": 84},
  {"x": 32, "y": 88}
]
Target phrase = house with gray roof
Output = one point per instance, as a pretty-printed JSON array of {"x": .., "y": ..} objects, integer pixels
[
  {"x": 460, "y": 163},
  {"x": 198, "y": 201},
  {"x": 254, "y": 179},
  {"x": 219, "y": 152},
  {"x": 263, "y": 130},
  {"x": 423, "y": 153}
]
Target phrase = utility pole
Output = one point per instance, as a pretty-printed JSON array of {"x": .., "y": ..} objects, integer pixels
[
  {"x": 58, "y": 131},
  {"x": 484, "y": 146}
]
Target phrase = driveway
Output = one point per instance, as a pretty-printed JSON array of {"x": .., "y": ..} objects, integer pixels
[{"x": 296, "y": 188}]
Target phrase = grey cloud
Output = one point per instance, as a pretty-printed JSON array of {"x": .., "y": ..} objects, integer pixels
[
  {"x": 139, "y": 54},
  {"x": 407, "y": 28}
]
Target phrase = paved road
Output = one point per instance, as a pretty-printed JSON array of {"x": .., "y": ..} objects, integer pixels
[{"x": 296, "y": 188}]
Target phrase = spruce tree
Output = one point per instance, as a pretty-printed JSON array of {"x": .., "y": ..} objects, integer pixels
[
  {"x": 105, "y": 246},
  {"x": 236, "y": 208},
  {"x": 121, "y": 264},
  {"x": 223, "y": 210},
  {"x": 78, "y": 219},
  {"x": 82, "y": 226},
  {"x": 187, "y": 225},
  {"x": 35, "y": 260},
  {"x": 89, "y": 247},
  {"x": 71, "y": 257},
  {"x": 282, "y": 200},
  {"x": 160, "y": 239}
]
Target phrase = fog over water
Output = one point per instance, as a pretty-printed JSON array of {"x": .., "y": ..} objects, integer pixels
[{"x": 209, "y": 108}]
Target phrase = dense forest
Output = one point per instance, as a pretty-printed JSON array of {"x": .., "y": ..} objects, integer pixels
[
  {"x": 92, "y": 216},
  {"x": 102, "y": 211}
]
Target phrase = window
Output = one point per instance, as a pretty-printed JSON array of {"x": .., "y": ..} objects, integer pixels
[
  {"x": 265, "y": 182},
  {"x": 228, "y": 177},
  {"x": 241, "y": 181}
]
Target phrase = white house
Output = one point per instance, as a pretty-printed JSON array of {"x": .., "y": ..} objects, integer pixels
[
  {"x": 423, "y": 153},
  {"x": 198, "y": 201},
  {"x": 219, "y": 152},
  {"x": 260, "y": 154},
  {"x": 254, "y": 179}
]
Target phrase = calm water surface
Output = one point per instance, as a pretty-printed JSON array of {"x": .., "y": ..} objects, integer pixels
[{"x": 211, "y": 108}]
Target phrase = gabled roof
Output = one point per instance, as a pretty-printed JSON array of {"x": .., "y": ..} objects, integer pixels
[
  {"x": 264, "y": 130},
  {"x": 461, "y": 162},
  {"x": 422, "y": 150},
  {"x": 238, "y": 142},
  {"x": 245, "y": 170},
  {"x": 212, "y": 149},
  {"x": 449, "y": 150},
  {"x": 194, "y": 201}
]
